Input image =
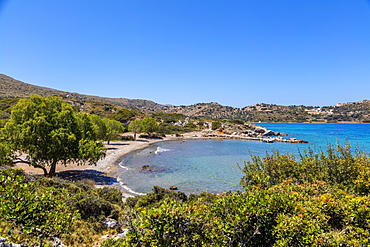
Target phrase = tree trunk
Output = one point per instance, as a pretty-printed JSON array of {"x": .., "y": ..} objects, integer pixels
[
  {"x": 45, "y": 171},
  {"x": 52, "y": 169},
  {"x": 43, "y": 168},
  {"x": 109, "y": 137},
  {"x": 134, "y": 136}
]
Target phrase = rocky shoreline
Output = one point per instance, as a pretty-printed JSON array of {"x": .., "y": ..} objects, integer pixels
[{"x": 249, "y": 132}]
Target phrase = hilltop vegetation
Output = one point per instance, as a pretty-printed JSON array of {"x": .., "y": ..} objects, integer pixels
[{"x": 347, "y": 112}]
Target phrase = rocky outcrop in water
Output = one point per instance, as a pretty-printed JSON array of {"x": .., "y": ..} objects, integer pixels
[{"x": 249, "y": 132}]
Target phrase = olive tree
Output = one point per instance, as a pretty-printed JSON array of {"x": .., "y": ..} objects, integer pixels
[
  {"x": 114, "y": 127},
  {"x": 100, "y": 126},
  {"x": 45, "y": 132},
  {"x": 149, "y": 125},
  {"x": 135, "y": 126}
]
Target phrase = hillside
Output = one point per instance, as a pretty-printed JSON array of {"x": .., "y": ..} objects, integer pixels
[
  {"x": 342, "y": 112},
  {"x": 11, "y": 88},
  {"x": 348, "y": 112}
]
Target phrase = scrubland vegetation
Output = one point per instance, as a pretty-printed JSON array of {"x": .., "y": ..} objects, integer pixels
[{"x": 318, "y": 198}]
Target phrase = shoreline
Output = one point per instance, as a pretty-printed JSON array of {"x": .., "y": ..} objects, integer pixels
[{"x": 104, "y": 172}]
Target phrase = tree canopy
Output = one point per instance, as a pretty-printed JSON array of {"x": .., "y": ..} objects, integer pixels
[
  {"x": 46, "y": 131},
  {"x": 149, "y": 125},
  {"x": 114, "y": 127},
  {"x": 135, "y": 126}
]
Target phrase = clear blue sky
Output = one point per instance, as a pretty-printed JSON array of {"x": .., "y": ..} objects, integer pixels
[{"x": 180, "y": 52}]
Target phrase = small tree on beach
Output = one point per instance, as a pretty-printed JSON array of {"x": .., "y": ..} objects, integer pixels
[
  {"x": 100, "y": 127},
  {"x": 149, "y": 125},
  {"x": 46, "y": 132},
  {"x": 114, "y": 127},
  {"x": 135, "y": 126}
]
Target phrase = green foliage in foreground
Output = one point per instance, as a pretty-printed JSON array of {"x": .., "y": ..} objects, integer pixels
[
  {"x": 317, "y": 200},
  {"x": 32, "y": 210},
  {"x": 287, "y": 214},
  {"x": 35, "y": 211},
  {"x": 298, "y": 210},
  {"x": 338, "y": 166}
]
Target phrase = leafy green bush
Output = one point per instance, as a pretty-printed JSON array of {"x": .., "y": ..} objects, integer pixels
[
  {"x": 338, "y": 166},
  {"x": 91, "y": 207},
  {"x": 31, "y": 209},
  {"x": 112, "y": 195},
  {"x": 236, "y": 121},
  {"x": 216, "y": 125},
  {"x": 36, "y": 209},
  {"x": 113, "y": 243},
  {"x": 286, "y": 214}
]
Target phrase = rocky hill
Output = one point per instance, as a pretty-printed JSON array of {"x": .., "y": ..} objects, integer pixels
[
  {"x": 11, "y": 88},
  {"x": 342, "y": 112}
]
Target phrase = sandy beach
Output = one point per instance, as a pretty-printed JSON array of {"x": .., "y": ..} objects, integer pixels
[
  {"x": 104, "y": 173},
  {"x": 101, "y": 173}
]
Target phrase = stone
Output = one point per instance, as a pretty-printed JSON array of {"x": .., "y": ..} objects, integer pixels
[
  {"x": 146, "y": 168},
  {"x": 121, "y": 235},
  {"x": 110, "y": 223},
  {"x": 269, "y": 133},
  {"x": 260, "y": 130},
  {"x": 173, "y": 188},
  {"x": 57, "y": 242}
]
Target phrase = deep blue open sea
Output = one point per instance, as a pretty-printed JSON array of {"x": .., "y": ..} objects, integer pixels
[{"x": 195, "y": 166}]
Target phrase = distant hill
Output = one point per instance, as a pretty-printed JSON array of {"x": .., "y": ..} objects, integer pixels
[
  {"x": 11, "y": 88},
  {"x": 342, "y": 112}
]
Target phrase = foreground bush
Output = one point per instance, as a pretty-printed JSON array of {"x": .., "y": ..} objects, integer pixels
[
  {"x": 287, "y": 214},
  {"x": 315, "y": 200},
  {"x": 338, "y": 166},
  {"x": 33, "y": 212},
  {"x": 36, "y": 210}
]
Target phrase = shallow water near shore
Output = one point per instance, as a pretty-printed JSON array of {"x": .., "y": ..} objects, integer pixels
[{"x": 212, "y": 165}]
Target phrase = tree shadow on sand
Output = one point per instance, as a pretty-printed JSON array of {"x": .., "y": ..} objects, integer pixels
[{"x": 100, "y": 178}]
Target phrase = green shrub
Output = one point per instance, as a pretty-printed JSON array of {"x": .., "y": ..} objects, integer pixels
[
  {"x": 216, "y": 125},
  {"x": 34, "y": 210},
  {"x": 93, "y": 208},
  {"x": 338, "y": 166},
  {"x": 112, "y": 195},
  {"x": 236, "y": 121},
  {"x": 286, "y": 214}
]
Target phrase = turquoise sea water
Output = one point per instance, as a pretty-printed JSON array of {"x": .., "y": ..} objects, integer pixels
[{"x": 213, "y": 165}]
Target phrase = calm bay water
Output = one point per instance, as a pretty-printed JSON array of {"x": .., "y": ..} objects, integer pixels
[{"x": 213, "y": 165}]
